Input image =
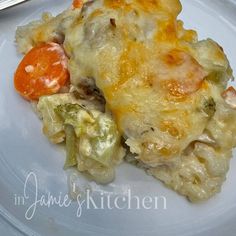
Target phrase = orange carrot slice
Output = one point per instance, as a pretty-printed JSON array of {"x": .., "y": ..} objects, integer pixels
[
  {"x": 229, "y": 96},
  {"x": 43, "y": 71},
  {"x": 77, "y": 3}
]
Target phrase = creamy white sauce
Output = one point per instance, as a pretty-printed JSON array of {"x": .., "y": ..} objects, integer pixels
[{"x": 29, "y": 69}]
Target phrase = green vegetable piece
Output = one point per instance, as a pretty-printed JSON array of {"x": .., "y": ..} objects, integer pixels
[
  {"x": 53, "y": 126},
  {"x": 97, "y": 133},
  {"x": 71, "y": 155},
  {"x": 106, "y": 143},
  {"x": 75, "y": 115}
]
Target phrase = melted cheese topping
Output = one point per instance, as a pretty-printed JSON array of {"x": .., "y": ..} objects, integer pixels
[{"x": 141, "y": 64}]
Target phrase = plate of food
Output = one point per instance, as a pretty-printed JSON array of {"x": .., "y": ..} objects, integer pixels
[{"x": 118, "y": 117}]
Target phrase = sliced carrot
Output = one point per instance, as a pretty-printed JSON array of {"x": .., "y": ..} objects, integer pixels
[
  {"x": 229, "y": 96},
  {"x": 43, "y": 71},
  {"x": 77, "y": 3},
  {"x": 181, "y": 73}
]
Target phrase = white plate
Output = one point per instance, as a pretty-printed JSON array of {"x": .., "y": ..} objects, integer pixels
[{"x": 24, "y": 149}]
